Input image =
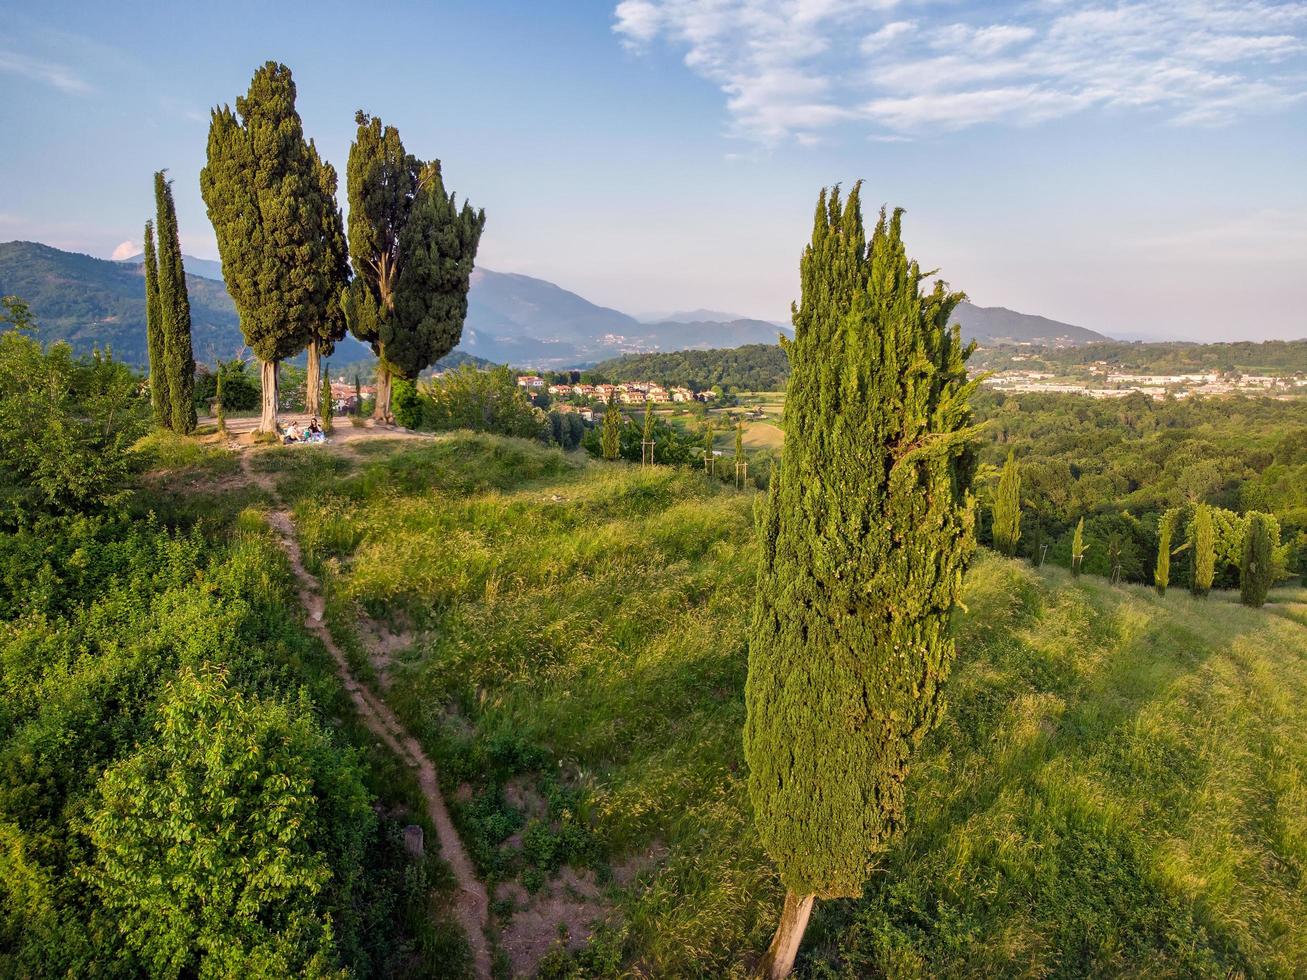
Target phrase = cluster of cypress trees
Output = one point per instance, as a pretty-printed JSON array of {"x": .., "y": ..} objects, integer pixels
[
  {"x": 864, "y": 536},
  {"x": 168, "y": 317},
  {"x": 285, "y": 254}
]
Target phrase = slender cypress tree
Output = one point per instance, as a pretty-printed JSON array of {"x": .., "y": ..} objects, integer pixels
[
  {"x": 707, "y": 446},
  {"x": 646, "y": 434},
  {"x": 1202, "y": 538},
  {"x": 412, "y": 250},
  {"x": 328, "y": 409},
  {"x": 1007, "y": 508},
  {"x": 358, "y": 395},
  {"x": 264, "y": 188},
  {"x": 864, "y": 536},
  {"x": 217, "y": 401},
  {"x": 332, "y": 274},
  {"x": 1165, "y": 531},
  {"x": 610, "y": 435},
  {"x": 1077, "y": 548},
  {"x": 1256, "y": 565},
  {"x": 175, "y": 309},
  {"x": 159, "y": 399}
]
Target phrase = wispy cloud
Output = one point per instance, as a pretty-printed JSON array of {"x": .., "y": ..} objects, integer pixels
[
  {"x": 791, "y": 68},
  {"x": 124, "y": 250},
  {"x": 46, "y": 72}
]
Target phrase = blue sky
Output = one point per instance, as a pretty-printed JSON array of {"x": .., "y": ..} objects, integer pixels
[{"x": 1132, "y": 167}]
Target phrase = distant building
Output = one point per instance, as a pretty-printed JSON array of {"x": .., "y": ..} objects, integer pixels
[{"x": 530, "y": 381}]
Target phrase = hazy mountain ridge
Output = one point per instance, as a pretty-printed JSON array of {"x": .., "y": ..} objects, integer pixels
[{"x": 512, "y": 318}]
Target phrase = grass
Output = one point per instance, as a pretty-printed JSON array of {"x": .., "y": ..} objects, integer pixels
[{"x": 1119, "y": 786}]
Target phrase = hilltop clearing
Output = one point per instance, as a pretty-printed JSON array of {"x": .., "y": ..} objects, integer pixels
[{"x": 1117, "y": 787}]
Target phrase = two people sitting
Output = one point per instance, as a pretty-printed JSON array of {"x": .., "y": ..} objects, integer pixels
[{"x": 312, "y": 433}]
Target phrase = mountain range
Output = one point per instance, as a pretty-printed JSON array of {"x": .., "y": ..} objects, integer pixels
[{"x": 512, "y": 318}]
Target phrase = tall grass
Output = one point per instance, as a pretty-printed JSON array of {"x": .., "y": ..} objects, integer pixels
[{"x": 1119, "y": 786}]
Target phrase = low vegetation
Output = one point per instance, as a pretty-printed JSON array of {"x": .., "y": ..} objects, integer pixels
[{"x": 1116, "y": 786}]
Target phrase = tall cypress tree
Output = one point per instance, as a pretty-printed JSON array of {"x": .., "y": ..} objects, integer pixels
[
  {"x": 264, "y": 188},
  {"x": 1256, "y": 566},
  {"x": 610, "y": 435},
  {"x": 332, "y": 274},
  {"x": 1077, "y": 548},
  {"x": 1202, "y": 539},
  {"x": 1007, "y": 508},
  {"x": 412, "y": 250},
  {"x": 1165, "y": 531},
  {"x": 159, "y": 399},
  {"x": 864, "y": 536},
  {"x": 175, "y": 310}
]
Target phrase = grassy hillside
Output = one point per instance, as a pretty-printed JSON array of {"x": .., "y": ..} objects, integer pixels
[{"x": 1119, "y": 785}]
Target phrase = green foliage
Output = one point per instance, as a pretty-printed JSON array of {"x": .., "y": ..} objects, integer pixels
[
  {"x": 754, "y": 367},
  {"x": 1257, "y": 567},
  {"x": 218, "y": 842},
  {"x": 159, "y": 395},
  {"x": 1062, "y": 812},
  {"x": 174, "y": 306},
  {"x": 1162, "y": 570},
  {"x": 1078, "y": 548},
  {"x": 566, "y": 429},
  {"x": 407, "y": 404},
  {"x": 240, "y": 391},
  {"x": 465, "y": 398},
  {"x": 1202, "y": 549},
  {"x": 265, "y": 189},
  {"x": 672, "y": 445},
  {"x": 66, "y": 425},
  {"x": 1007, "y": 508},
  {"x": 863, "y": 539},
  {"x": 610, "y": 436},
  {"x": 437, "y": 247},
  {"x": 412, "y": 251},
  {"x": 327, "y": 402},
  {"x": 1274, "y": 357}
]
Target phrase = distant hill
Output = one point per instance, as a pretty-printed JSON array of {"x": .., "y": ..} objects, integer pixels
[
  {"x": 527, "y": 321},
  {"x": 207, "y": 268},
  {"x": 990, "y": 325},
  {"x": 92, "y": 302},
  {"x": 513, "y": 319}
]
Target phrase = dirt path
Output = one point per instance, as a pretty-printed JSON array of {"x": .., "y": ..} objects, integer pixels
[{"x": 472, "y": 905}]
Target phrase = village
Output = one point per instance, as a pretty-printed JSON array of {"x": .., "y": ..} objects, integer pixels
[{"x": 1104, "y": 383}]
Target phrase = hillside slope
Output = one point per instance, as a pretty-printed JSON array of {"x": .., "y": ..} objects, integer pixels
[{"x": 1119, "y": 785}]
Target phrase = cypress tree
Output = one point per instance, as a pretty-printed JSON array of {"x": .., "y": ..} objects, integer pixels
[
  {"x": 328, "y": 409},
  {"x": 159, "y": 400},
  {"x": 707, "y": 446},
  {"x": 1256, "y": 565},
  {"x": 864, "y": 536},
  {"x": 332, "y": 275},
  {"x": 1007, "y": 508},
  {"x": 610, "y": 435},
  {"x": 1077, "y": 548},
  {"x": 1202, "y": 539},
  {"x": 413, "y": 251},
  {"x": 175, "y": 311},
  {"x": 1165, "y": 531},
  {"x": 646, "y": 435},
  {"x": 264, "y": 188},
  {"x": 358, "y": 395},
  {"x": 217, "y": 400}
]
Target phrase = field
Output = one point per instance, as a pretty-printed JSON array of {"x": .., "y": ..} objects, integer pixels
[{"x": 1119, "y": 786}]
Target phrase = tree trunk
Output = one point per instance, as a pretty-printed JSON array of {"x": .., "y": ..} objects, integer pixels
[
  {"x": 313, "y": 381},
  {"x": 381, "y": 413},
  {"x": 784, "y": 947},
  {"x": 268, "y": 375}
]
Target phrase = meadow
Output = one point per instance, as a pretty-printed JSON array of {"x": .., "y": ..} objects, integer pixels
[{"x": 1119, "y": 785}]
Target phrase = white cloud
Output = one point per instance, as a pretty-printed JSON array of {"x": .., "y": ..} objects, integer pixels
[
  {"x": 791, "y": 68},
  {"x": 46, "y": 72},
  {"x": 125, "y": 250}
]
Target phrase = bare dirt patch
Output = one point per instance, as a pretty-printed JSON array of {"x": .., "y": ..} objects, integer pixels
[{"x": 567, "y": 910}]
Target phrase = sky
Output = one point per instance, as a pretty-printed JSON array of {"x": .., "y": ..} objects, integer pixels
[{"x": 1137, "y": 168}]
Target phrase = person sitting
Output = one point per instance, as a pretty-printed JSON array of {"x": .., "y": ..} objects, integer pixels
[
  {"x": 314, "y": 432},
  {"x": 292, "y": 433}
]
